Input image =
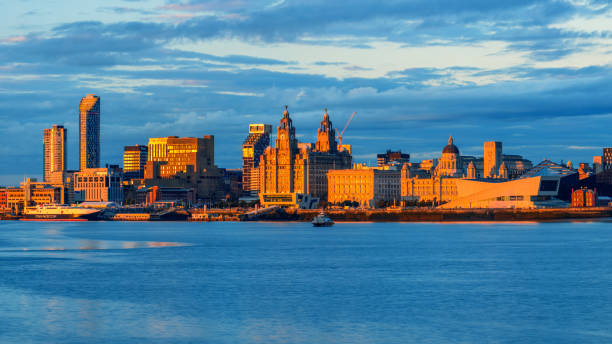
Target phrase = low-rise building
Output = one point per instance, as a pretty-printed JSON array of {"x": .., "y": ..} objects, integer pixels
[
  {"x": 584, "y": 198},
  {"x": 156, "y": 194},
  {"x": 368, "y": 186},
  {"x": 30, "y": 193},
  {"x": 99, "y": 184},
  {"x": 547, "y": 185}
]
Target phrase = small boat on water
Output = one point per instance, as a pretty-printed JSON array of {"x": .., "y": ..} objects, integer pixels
[
  {"x": 322, "y": 220},
  {"x": 59, "y": 212}
]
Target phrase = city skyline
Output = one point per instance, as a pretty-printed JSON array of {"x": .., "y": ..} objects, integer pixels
[{"x": 538, "y": 81}]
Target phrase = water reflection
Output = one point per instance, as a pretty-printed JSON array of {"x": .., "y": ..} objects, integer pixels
[{"x": 66, "y": 244}]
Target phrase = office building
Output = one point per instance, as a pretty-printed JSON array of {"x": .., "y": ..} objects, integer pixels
[
  {"x": 99, "y": 185},
  {"x": 368, "y": 186},
  {"x": 89, "y": 132},
  {"x": 391, "y": 157},
  {"x": 29, "y": 193},
  {"x": 252, "y": 149},
  {"x": 187, "y": 162},
  {"x": 607, "y": 158},
  {"x": 180, "y": 155},
  {"x": 54, "y": 151},
  {"x": 134, "y": 161},
  {"x": 287, "y": 168}
]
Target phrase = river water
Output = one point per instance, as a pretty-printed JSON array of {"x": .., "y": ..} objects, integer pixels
[{"x": 178, "y": 282}]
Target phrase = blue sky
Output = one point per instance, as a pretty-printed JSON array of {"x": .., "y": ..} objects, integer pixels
[{"x": 536, "y": 75}]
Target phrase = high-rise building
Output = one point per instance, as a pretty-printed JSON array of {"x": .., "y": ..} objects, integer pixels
[
  {"x": 134, "y": 161},
  {"x": 597, "y": 164},
  {"x": 89, "y": 132},
  {"x": 492, "y": 158},
  {"x": 54, "y": 151},
  {"x": 607, "y": 158},
  {"x": 252, "y": 148},
  {"x": 181, "y": 154}
]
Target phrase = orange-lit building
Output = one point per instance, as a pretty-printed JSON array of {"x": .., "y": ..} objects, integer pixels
[
  {"x": 30, "y": 193},
  {"x": 187, "y": 162},
  {"x": 175, "y": 154},
  {"x": 54, "y": 151},
  {"x": 99, "y": 185},
  {"x": 367, "y": 186},
  {"x": 584, "y": 198},
  {"x": 134, "y": 161},
  {"x": 287, "y": 168},
  {"x": 89, "y": 132},
  {"x": 3, "y": 198}
]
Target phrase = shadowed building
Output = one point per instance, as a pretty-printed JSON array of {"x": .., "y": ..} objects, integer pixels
[
  {"x": 252, "y": 148},
  {"x": 607, "y": 158},
  {"x": 54, "y": 148},
  {"x": 89, "y": 132},
  {"x": 392, "y": 157},
  {"x": 291, "y": 168}
]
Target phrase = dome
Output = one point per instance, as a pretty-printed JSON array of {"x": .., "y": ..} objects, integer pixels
[{"x": 450, "y": 148}]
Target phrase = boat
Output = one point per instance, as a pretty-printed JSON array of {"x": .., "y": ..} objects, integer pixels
[
  {"x": 322, "y": 220},
  {"x": 59, "y": 212}
]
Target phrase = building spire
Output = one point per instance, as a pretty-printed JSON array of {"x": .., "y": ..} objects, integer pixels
[{"x": 450, "y": 140}]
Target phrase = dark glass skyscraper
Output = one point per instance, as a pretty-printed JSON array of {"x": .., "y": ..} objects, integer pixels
[
  {"x": 252, "y": 148},
  {"x": 89, "y": 132}
]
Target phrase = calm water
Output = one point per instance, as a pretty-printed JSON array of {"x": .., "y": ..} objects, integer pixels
[{"x": 106, "y": 282}]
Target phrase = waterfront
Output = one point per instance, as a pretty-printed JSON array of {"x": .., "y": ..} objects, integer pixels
[{"x": 258, "y": 282}]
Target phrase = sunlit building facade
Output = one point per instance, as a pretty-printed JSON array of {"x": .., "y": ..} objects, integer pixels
[
  {"x": 54, "y": 151},
  {"x": 252, "y": 149},
  {"x": 134, "y": 161},
  {"x": 99, "y": 185},
  {"x": 89, "y": 132},
  {"x": 187, "y": 162},
  {"x": 287, "y": 168},
  {"x": 368, "y": 186}
]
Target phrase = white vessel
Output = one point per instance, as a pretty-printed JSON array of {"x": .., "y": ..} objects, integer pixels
[
  {"x": 59, "y": 212},
  {"x": 322, "y": 220}
]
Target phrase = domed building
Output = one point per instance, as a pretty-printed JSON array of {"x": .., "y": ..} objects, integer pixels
[{"x": 450, "y": 164}]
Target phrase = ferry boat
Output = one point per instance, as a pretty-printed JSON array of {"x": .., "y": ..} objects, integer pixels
[
  {"x": 59, "y": 212},
  {"x": 322, "y": 220}
]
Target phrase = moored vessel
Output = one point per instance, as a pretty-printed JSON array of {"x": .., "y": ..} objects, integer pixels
[
  {"x": 59, "y": 212},
  {"x": 322, "y": 220}
]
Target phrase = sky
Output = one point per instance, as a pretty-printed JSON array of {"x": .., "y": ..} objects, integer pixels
[{"x": 536, "y": 75}]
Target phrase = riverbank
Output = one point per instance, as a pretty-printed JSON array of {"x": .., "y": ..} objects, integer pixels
[
  {"x": 441, "y": 215},
  {"x": 362, "y": 215}
]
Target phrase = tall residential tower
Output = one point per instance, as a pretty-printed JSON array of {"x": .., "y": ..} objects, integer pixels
[
  {"x": 89, "y": 132},
  {"x": 54, "y": 151}
]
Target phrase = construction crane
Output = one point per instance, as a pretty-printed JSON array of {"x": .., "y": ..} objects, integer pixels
[{"x": 343, "y": 130}]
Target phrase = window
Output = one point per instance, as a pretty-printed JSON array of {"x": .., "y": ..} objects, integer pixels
[{"x": 548, "y": 185}]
